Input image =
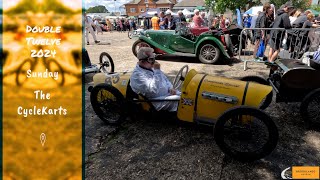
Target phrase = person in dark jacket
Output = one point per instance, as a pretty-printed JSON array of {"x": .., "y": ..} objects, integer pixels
[
  {"x": 276, "y": 36},
  {"x": 262, "y": 22}
]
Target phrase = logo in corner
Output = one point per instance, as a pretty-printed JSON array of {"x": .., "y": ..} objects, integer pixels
[{"x": 285, "y": 175}]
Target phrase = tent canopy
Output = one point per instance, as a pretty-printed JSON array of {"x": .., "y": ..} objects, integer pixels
[
  {"x": 254, "y": 10},
  {"x": 186, "y": 12}
]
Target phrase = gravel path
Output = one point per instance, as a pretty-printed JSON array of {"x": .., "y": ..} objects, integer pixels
[{"x": 166, "y": 149}]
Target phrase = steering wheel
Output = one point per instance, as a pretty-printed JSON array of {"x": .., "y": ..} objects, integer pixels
[{"x": 180, "y": 76}]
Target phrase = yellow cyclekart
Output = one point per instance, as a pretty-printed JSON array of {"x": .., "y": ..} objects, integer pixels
[{"x": 241, "y": 129}]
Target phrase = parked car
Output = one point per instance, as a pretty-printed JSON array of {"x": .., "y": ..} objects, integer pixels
[
  {"x": 210, "y": 46},
  {"x": 242, "y": 130}
]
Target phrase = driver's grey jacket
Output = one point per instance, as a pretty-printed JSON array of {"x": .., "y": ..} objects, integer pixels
[{"x": 153, "y": 84}]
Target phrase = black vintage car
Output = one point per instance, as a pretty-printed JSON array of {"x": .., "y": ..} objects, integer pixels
[{"x": 294, "y": 81}]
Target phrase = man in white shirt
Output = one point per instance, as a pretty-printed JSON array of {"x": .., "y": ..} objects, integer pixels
[
  {"x": 147, "y": 79},
  {"x": 88, "y": 24}
]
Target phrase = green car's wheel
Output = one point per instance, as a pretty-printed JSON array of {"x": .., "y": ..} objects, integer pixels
[
  {"x": 108, "y": 103},
  {"x": 310, "y": 107},
  {"x": 245, "y": 133},
  {"x": 209, "y": 54},
  {"x": 106, "y": 63},
  {"x": 137, "y": 45},
  {"x": 268, "y": 99}
]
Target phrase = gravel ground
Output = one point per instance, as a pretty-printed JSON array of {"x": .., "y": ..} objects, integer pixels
[{"x": 167, "y": 149}]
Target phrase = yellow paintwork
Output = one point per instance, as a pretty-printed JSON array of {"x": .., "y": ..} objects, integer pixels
[
  {"x": 212, "y": 109},
  {"x": 186, "y": 112},
  {"x": 207, "y": 108}
]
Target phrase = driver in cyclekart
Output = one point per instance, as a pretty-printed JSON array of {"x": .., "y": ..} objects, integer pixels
[{"x": 148, "y": 80}]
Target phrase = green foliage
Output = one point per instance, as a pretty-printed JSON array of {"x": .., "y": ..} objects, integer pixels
[
  {"x": 32, "y": 5},
  {"x": 315, "y": 7},
  {"x": 302, "y": 4},
  {"x": 97, "y": 9},
  {"x": 222, "y": 5}
]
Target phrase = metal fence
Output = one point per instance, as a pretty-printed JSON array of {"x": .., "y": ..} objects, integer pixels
[{"x": 295, "y": 43}]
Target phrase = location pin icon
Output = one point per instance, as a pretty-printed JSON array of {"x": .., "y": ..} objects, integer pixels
[{"x": 42, "y": 138}]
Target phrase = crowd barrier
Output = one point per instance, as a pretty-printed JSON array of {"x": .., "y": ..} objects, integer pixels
[{"x": 295, "y": 43}]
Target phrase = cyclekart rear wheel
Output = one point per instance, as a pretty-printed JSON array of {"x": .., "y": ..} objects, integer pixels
[{"x": 245, "y": 133}]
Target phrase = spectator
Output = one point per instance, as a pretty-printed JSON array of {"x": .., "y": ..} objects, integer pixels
[
  {"x": 294, "y": 15},
  {"x": 282, "y": 21},
  {"x": 171, "y": 21},
  {"x": 292, "y": 35},
  {"x": 222, "y": 22},
  {"x": 305, "y": 41},
  {"x": 163, "y": 22},
  {"x": 155, "y": 22},
  {"x": 262, "y": 22},
  {"x": 89, "y": 23},
  {"x": 109, "y": 25},
  {"x": 144, "y": 23},
  {"x": 98, "y": 26},
  {"x": 215, "y": 23},
  {"x": 197, "y": 19},
  {"x": 123, "y": 28},
  {"x": 247, "y": 20},
  {"x": 181, "y": 17},
  {"x": 204, "y": 19}
]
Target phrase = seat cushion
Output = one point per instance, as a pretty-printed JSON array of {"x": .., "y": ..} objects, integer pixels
[{"x": 198, "y": 30}]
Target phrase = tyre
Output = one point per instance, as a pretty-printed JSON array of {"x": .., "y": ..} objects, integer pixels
[
  {"x": 22, "y": 71},
  {"x": 310, "y": 107},
  {"x": 108, "y": 103},
  {"x": 106, "y": 63},
  {"x": 267, "y": 101},
  {"x": 53, "y": 66},
  {"x": 229, "y": 45},
  {"x": 245, "y": 133},
  {"x": 209, "y": 54},
  {"x": 137, "y": 45}
]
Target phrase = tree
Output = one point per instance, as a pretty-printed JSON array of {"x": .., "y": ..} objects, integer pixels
[
  {"x": 222, "y": 5},
  {"x": 315, "y": 7},
  {"x": 302, "y": 4},
  {"x": 98, "y": 9}
]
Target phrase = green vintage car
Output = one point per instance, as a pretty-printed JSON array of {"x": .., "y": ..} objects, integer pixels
[{"x": 209, "y": 46}]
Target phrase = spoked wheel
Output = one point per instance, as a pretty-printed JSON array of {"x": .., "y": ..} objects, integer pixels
[
  {"x": 209, "y": 54},
  {"x": 54, "y": 66},
  {"x": 137, "y": 45},
  {"x": 268, "y": 99},
  {"x": 180, "y": 77},
  {"x": 245, "y": 133},
  {"x": 22, "y": 71},
  {"x": 106, "y": 63},
  {"x": 310, "y": 107},
  {"x": 108, "y": 103}
]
